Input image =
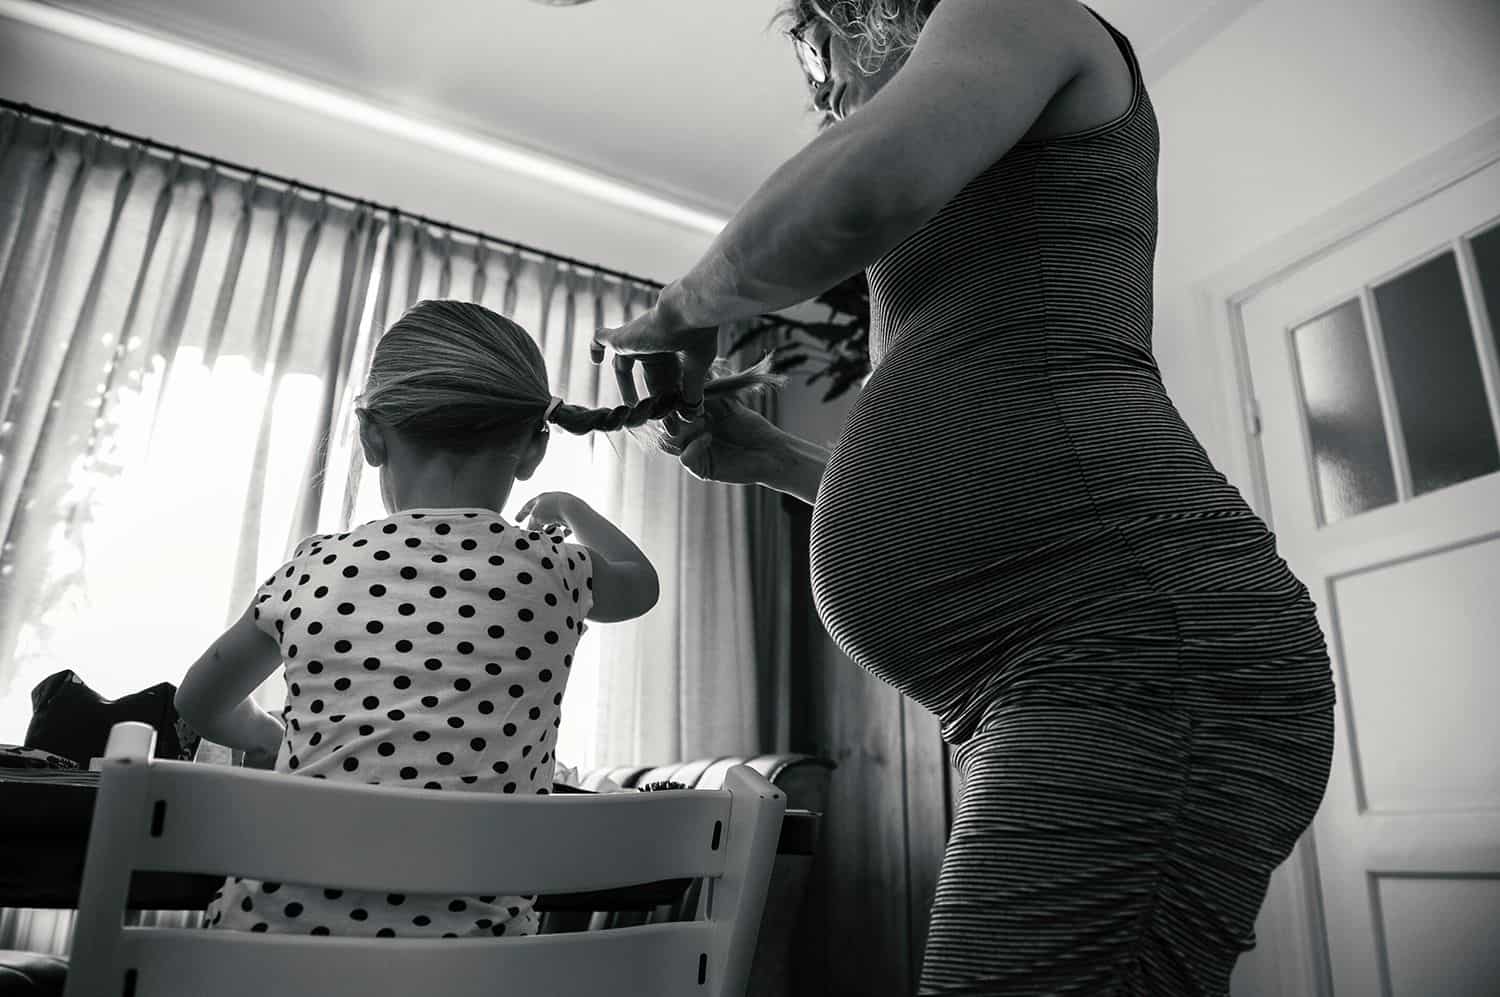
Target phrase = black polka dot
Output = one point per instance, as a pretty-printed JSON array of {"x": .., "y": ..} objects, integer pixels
[
  {"x": 403, "y": 645},
  {"x": 497, "y": 594},
  {"x": 457, "y": 906},
  {"x": 359, "y": 914},
  {"x": 342, "y": 684},
  {"x": 492, "y": 667},
  {"x": 442, "y": 528},
  {"x": 319, "y": 930},
  {"x": 526, "y": 615},
  {"x": 382, "y": 555},
  {"x": 374, "y": 626},
  {"x": 429, "y": 701},
  {"x": 524, "y": 577},
  {"x": 388, "y": 528},
  {"x": 407, "y": 772},
  {"x": 522, "y": 545},
  {"x": 320, "y": 591},
  {"x": 365, "y": 730},
  {"x": 345, "y": 608},
  {"x": 350, "y": 571},
  {"x": 545, "y": 675},
  {"x": 421, "y": 920},
  {"x": 401, "y": 682},
  {"x": 372, "y": 664},
  {"x": 316, "y": 706},
  {"x": 432, "y": 664},
  {"x": 445, "y": 758},
  {"x": 550, "y": 599},
  {"x": 437, "y": 591},
  {"x": 406, "y": 609},
  {"x": 386, "y": 749},
  {"x": 434, "y": 628},
  {"x": 420, "y": 735},
  {"x": 247, "y": 905},
  {"x": 464, "y": 647},
  {"x": 397, "y": 715},
  {"x": 396, "y": 899},
  {"x": 517, "y": 692},
  {"x": 510, "y": 787},
  {"x": 523, "y": 653},
  {"x": 386, "y": 933},
  {"x": 469, "y": 544},
  {"x": 260, "y": 926},
  {"x": 291, "y": 651},
  {"x": 371, "y": 703},
  {"x": 342, "y": 646},
  {"x": 295, "y": 689},
  {"x": 496, "y": 631},
  {"x": 461, "y": 684},
  {"x": 496, "y": 560},
  {"x": 455, "y": 722},
  {"x": 477, "y": 744},
  {"x": 509, "y": 730},
  {"x": 377, "y": 590},
  {"x": 330, "y": 558},
  {"x": 315, "y": 628},
  {"x": 316, "y": 739},
  {"x": 468, "y": 574},
  {"x": 466, "y": 611},
  {"x": 351, "y": 763},
  {"x": 500, "y": 767},
  {"x": 408, "y": 572},
  {"x": 296, "y": 613},
  {"x": 432, "y": 785},
  {"x": 293, "y": 909},
  {"x": 440, "y": 559},
  {"x": 413, "y": 542},
  {"x": 486, "y": 707},
  {"x": 332, "y": 894},
  {"x": 534, "y": 713}
]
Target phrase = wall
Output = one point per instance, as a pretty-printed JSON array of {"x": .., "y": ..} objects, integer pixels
[
  {"x": 60, "y": 74},
  {"x": 1292, "y": 109}
]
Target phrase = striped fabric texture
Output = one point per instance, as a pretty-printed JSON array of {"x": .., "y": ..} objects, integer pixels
[{"x": 1018, "y": 530}]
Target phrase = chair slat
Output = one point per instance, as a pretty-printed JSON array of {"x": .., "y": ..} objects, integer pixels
[
  {"x": 660, "y": 960},
  {"x": 270, "y": 826}
]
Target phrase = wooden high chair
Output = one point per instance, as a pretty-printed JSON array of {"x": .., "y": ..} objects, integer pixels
[{"x": 153, "y": 814}]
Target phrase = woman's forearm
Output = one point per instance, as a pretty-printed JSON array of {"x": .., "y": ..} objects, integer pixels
[
  {"x": 823, "y": 215},
  {"x": 797, "y": 469}
]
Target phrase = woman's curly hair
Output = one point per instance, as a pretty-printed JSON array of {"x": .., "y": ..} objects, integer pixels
[
  {"x": 878, "y": 28},
  {"x": 457, "y": 376}
]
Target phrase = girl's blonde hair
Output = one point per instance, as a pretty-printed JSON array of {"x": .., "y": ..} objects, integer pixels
[
  {"x": 878, "y": 28},
  {"x": 454, "y": 375}
]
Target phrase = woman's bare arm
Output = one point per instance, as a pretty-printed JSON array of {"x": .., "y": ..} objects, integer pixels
[{"x": 979, "y": 77}]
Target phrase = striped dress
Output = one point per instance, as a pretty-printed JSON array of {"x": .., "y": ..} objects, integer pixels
[{"x": 1017, "y": 530}]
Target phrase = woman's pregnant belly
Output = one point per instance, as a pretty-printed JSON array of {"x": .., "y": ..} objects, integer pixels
[{"x": 986, "y": 525}]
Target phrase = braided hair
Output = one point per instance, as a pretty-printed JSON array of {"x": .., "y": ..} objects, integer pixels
[{"x": 456, "y": 376}]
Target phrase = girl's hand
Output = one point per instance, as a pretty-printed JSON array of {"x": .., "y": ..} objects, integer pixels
[{"x": 549, "y": 509}]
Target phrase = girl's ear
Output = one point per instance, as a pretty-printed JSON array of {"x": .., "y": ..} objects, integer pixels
[
  {"x": 371, "y": 439},
  {"x": 531, "y": 459}
]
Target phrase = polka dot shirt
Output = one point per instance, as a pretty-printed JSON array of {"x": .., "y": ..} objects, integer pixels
[{"x": 426, "y": 650}]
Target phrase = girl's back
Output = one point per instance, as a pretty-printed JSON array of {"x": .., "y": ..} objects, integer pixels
[{"x": 428, "y": 649}]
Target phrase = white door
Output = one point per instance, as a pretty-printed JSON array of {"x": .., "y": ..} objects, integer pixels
[{"x": 1374, "y": 369}]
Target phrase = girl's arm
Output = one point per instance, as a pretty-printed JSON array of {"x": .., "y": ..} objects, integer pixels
[
  {"x": 214, "y": 697},
  {"x": 625, "y": 583}
]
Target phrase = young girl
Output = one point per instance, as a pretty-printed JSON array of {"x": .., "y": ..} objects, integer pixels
[{"x": 430, "y": 649}]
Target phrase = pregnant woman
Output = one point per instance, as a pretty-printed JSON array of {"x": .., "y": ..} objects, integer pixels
[{"x": 1015, "y": 527}]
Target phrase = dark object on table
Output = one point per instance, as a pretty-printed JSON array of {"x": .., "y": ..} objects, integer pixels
[
  {"x": 72, "y": 720},
  {"x": 665, "y": 784},
  {"x": 15, "y": 757},
  {"x": 31, "y": 974}
]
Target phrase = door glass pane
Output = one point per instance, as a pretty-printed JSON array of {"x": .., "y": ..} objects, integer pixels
[
  {"x": 1351, "y": 457},
  {"x": 1435, "y": 373},
  {"x": 1486, "y": 247}
]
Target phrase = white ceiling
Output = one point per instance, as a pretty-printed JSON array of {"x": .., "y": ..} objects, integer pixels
[{"x": 690, "y": 99}]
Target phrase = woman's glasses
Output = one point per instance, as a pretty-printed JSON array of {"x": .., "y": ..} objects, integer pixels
[{"x": 814, "y": 65}]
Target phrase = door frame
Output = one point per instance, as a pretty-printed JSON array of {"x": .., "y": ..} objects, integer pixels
[{"x": 1219, "y": 299}]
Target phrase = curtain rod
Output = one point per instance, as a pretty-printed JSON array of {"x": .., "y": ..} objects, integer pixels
[{"x": 88, "y": 126}]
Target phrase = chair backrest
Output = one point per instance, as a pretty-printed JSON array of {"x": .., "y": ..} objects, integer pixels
[{"x": 179, "y": 816}]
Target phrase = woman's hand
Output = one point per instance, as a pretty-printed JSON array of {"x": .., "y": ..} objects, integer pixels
[
  {"x": 551, "y": 509},
  {"x": 659, "y": 330},
  {"x": 730, "y": 443}
]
